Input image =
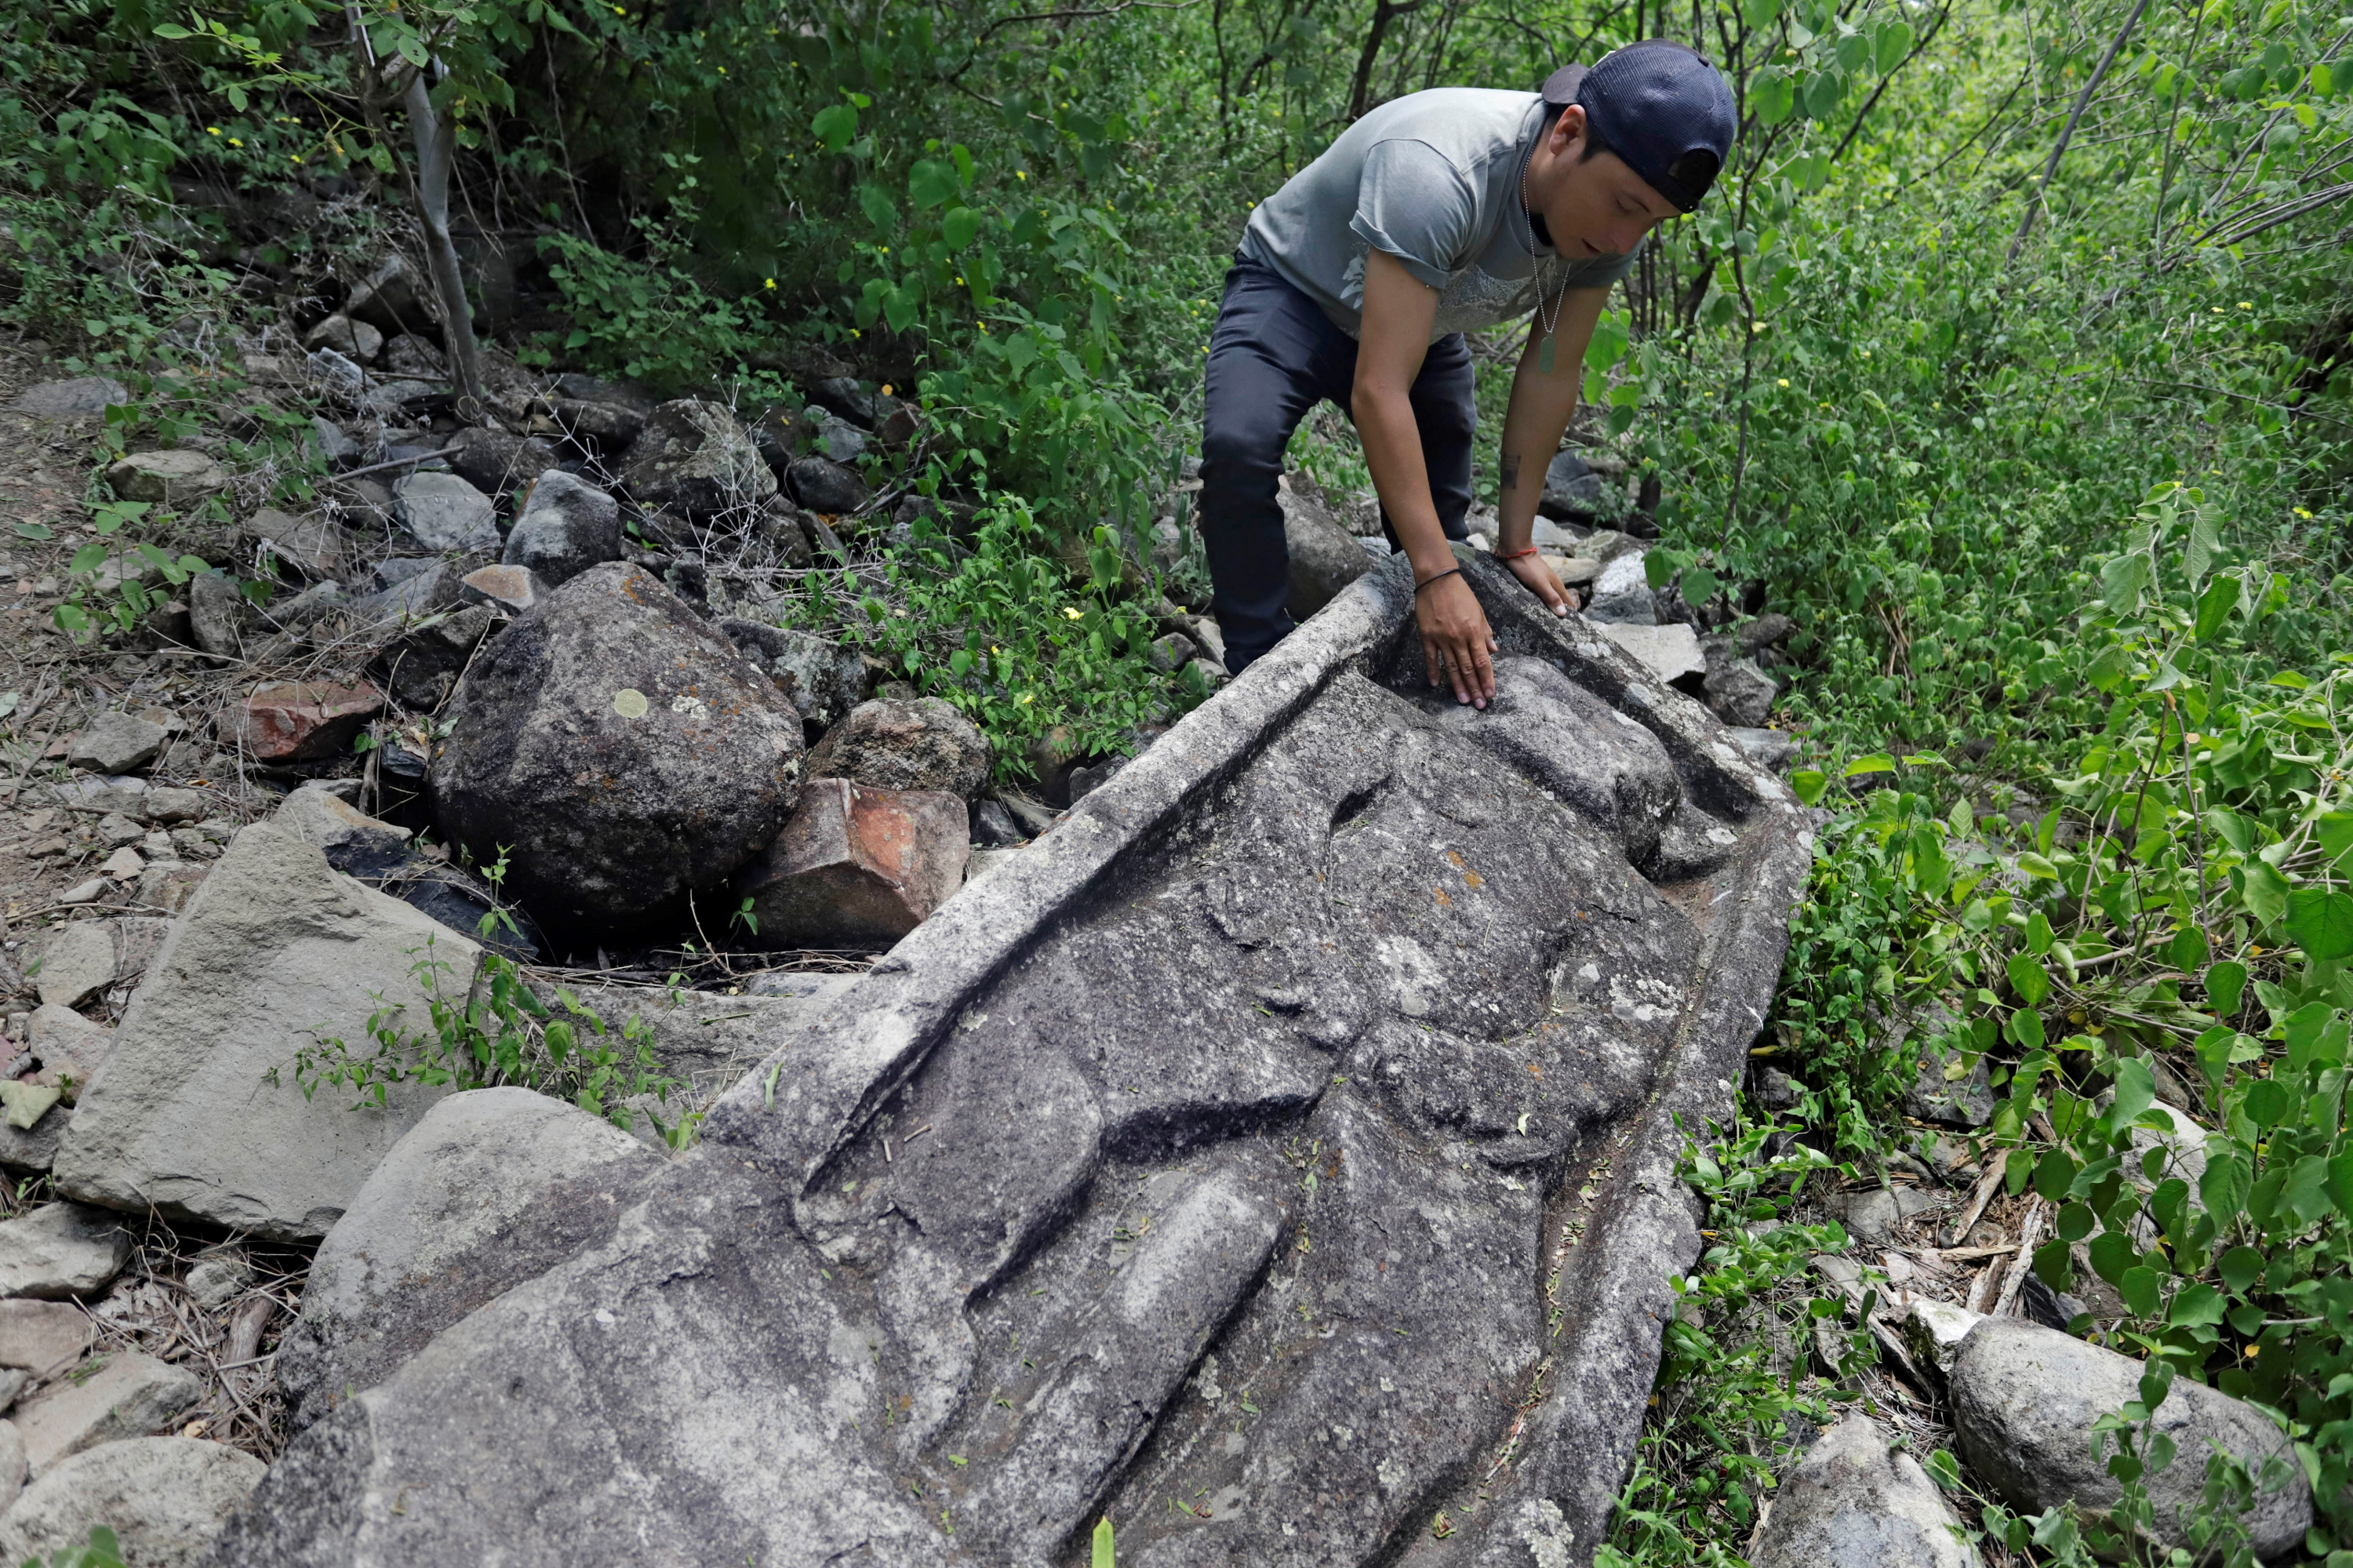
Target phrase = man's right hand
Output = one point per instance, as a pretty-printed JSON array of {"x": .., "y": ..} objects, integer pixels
[{"x": 1455, "y": 640}]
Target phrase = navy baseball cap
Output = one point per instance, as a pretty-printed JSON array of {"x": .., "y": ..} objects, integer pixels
[{"x": 1661, "y": 107}]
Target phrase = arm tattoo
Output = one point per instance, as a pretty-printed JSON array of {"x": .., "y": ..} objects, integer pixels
[{"x": 1511, "y": 474}]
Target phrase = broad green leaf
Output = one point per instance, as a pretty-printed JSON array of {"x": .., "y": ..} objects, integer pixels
[
  {"x": 2214, "y": 606},
  {"x": 2334, "y": 831},
  {"x": 2196, "y": 1305},
  {"x": 2240, "y": 1267},
  {"x": 1606, "y": 347},
  {"x": 877, "y": 205},
  {"x": 930, "y": 182},
  {"x": 2037, "y": 933},
  {"x": 2268, "y": 1102},
  {"x": 2305, "y": 1195},
  {"x": 1893, "y": 42},
  {"x": 836, "y": 126},
  {"x": 1698, "y": 585},
  {"x": 2224, "y": 1186},
  {"x": 2027, "y": 977},
  {"x": 2266, "y": 892},
  {"x": 1774, "y": 96},
  {"x": 2304, "y": 1028},
  {"x": 2054, "y": 1263},
  {"x": 1878, "y": 762},
  {"x": 2226, "y": 983},
  {"x": 2140, "y": 1287},
  {"x": 2123, "y": 581},
  {"x": 1103, "y": 1556},
  {"x": 2340, "y": 1181},
  {"x": 2136, "y": 1091},
  {"x": 2319, "y": 921},
  {"x": 2035, "y": 866},
  {"x": 2076, "y": 1221},
  {"x": 959, "y": 227},
  {"x": 2111, "y": 1253},
  {"x": 2054, "y": 1174},
  {"x": 1809, "y": 783},
  {"x": 2198, "y": 554},
  {"x": 88, "y": 558}
]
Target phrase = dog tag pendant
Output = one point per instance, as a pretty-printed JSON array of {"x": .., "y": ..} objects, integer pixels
[{"x": 1544, "y": 355}]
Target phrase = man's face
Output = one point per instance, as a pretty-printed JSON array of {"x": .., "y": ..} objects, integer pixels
[{"x": 1597, "y": 206}]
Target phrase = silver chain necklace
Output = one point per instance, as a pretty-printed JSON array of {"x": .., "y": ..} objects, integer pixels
[{"x": 1543, "y": 354}]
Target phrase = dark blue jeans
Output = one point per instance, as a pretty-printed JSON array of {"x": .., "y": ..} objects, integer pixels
[{"x": 1273, "y": 355}]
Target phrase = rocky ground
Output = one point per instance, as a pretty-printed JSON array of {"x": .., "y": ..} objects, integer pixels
[{"x": 519, "y": 685}]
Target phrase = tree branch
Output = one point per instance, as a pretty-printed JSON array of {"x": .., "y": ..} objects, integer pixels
[{"x": 2059, "y": 149}]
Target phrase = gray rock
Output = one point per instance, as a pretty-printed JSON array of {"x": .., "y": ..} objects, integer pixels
[
  {"x": 1873, "y": 1214},
  {"x": 509, "y": 589},
  {"x": 335, "y": 373},
  {"x": 1020, "y": 1182},
  {"x": 395, "y": 298},
  {"x": 409, "y": 355},
  {"x": 1622, "y": 596},
  {"x": 1739, "y": 693},
  {"x": 499, "y": 464},
  {"x": 13, "y": 1466},
  {"x": 76, "y": 398},
  {"x": 216, "y": 1280},
  {"x": 566, "y": 527},
  {"x": 329, "y": 440},
  {"x": 1571, "y": 490},
  {"x": 840, "y": 440},
  {"x": 1966, "y": 1101},
  {"x": 1086, "y": 778},
  {"x": 164, "y": 1498},
  {"x": 317, "y": 545},
  {"x": 825, "y": 486},
  {"x": 61, "y": 1250},
  {"x": 117, "y": 743},
  {"x": 357, "y": 341},
  {"x": 1855, "y": 1502},
  {"x": 442, "y": 512},
  {"x": 621, "y": 749},
  {"x": 695, "y": 457},
  {"x": 1768, "y": 630},
  {"x": 1770, "y": 749},
  {"x": 492, "y": 1188},
  {"x": 1933, "y": 1330},
  {"x": 77, "y": 961},
  {"x": 1669, "y": 652},
  {"x": 276, "y": 953},
  {"x": 923, "y": 744},
  {"x": 128, "y": 1395},
  {"x": 1325, "y": 557},
  {"x": 351, "y": 841},
  {"x": 823, "y": 679},
  {"x": 177, "y": 478},
  {"x": 43, "y": 1338},
  {"x": 993, "y": 826},
  {"x": 2024, "y": 1399},
  {"x": 844, "y": 396},
  {"x": 217, "y": 614}
]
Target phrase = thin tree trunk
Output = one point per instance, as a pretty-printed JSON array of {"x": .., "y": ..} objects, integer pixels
[
  {"x": 435, "y": 151},
  {"x": 1383, "y": 15},
  {"x": 2059, "y": 149}
]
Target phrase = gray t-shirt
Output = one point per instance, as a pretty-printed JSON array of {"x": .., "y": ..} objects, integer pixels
[{"x": 1432, "y": 178}]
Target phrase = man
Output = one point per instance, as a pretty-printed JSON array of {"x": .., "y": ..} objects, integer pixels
[{"x": 1440, "y": 213}]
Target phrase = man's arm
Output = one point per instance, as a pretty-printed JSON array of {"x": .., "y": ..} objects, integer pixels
[
  {"x": 1398, "y": 310},
  {"x": 1542, "y": 405}
]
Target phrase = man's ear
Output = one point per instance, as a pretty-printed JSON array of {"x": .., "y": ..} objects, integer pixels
[{"x": 1567, "y": 130}]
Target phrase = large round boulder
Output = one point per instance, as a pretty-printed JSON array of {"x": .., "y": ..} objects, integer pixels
[{"x": 617, "y": 750}]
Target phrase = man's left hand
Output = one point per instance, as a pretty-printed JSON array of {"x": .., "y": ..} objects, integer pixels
[{"x": 1541, "y": 581}]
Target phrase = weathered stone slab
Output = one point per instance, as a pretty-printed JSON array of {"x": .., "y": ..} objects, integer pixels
[
  {"x": 855, "y": 865},
  {"x": 1232, "y": 1144},
  {"x": 196, "y": 1111}
]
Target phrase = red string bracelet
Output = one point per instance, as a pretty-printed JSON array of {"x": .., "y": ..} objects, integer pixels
[{"x": 1514, "y": 554}]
